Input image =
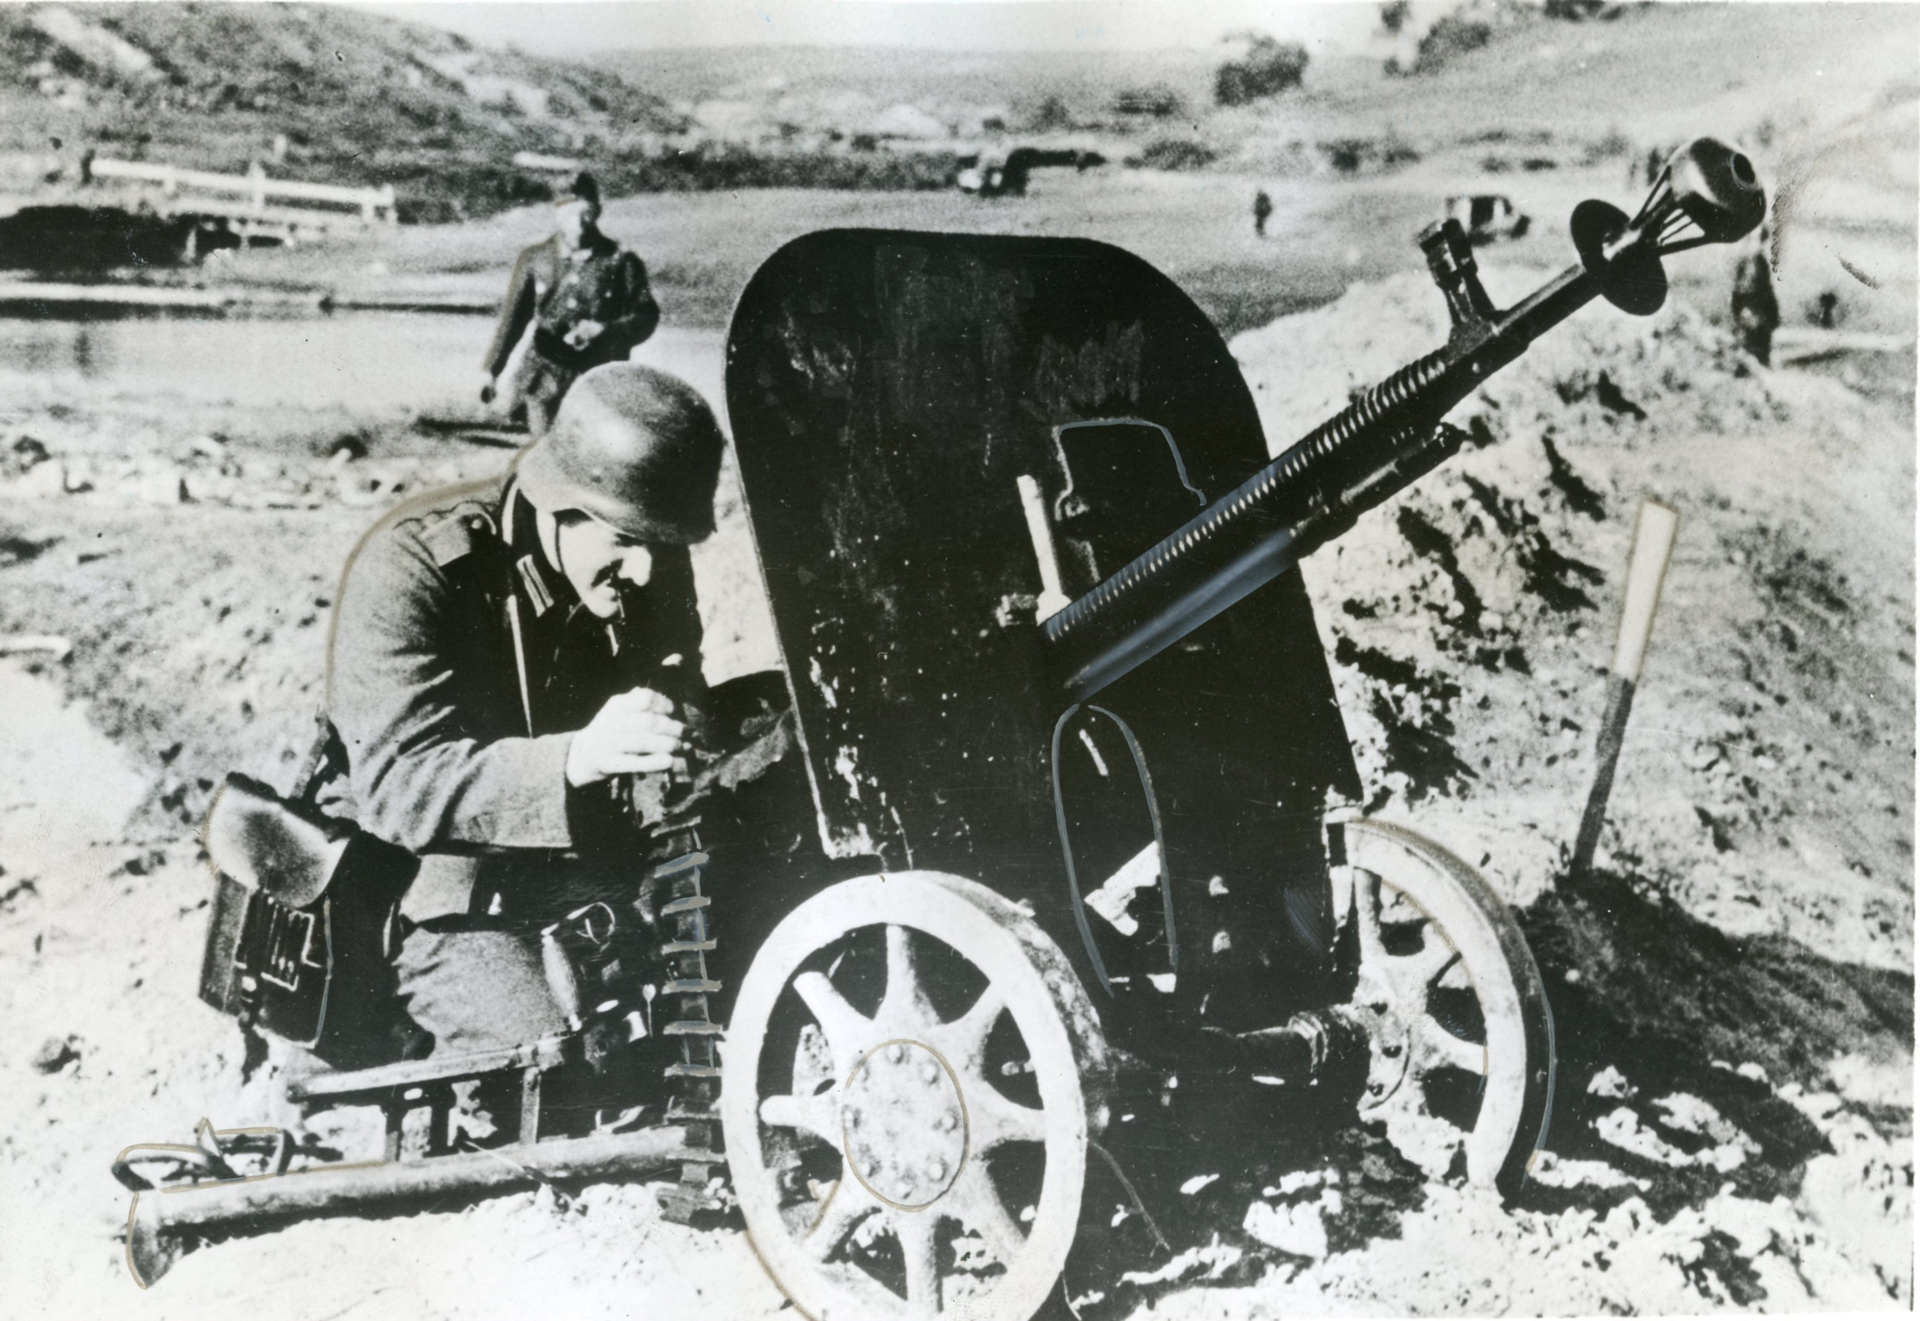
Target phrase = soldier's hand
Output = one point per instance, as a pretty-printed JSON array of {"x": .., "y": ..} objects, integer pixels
[
  {"x": 634, "y": 734},
  {"x": 584, "y": 333}
]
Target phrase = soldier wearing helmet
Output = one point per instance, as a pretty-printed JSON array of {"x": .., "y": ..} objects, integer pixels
[
  {"x": 586, "y": 298},
  {"x": 509, "y": 660}
]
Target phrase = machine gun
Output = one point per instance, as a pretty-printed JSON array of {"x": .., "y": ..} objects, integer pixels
[{"x": 1391, "y": 436}]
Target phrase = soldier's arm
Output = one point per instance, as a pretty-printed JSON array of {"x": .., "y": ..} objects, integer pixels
[
  {"x": 430, "y": 769},
  {"x": 515, "y": 312},
  {"x": 639, "y": 314}
]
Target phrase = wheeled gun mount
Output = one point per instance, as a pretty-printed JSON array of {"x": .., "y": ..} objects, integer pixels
[{"x": 1392, "y": 435}]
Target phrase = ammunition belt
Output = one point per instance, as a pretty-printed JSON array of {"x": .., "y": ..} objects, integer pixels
[{"x": 695, "y": 1075}]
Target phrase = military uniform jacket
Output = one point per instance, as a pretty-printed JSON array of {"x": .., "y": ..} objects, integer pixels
[
  {"x": 557, "y": 290},
  {"x": 446, "y": 751}
]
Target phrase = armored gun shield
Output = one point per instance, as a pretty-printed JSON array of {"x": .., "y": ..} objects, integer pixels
[{"x": 944, "y": 437}]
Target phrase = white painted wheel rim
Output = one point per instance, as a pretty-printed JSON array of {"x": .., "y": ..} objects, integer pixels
[
  {"x": 1026, "y": 978},
  {"x": 1468, "y": 941}
]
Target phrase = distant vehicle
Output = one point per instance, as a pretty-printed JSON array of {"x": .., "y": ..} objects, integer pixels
[
  {"x": 1488, "y": 217},
  {"x": 993, "y": 174}
]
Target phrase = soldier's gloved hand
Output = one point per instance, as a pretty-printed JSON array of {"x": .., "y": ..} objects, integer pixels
[
  {"x": 634, "y": 734},
  {"x": 583, "y": 334}
]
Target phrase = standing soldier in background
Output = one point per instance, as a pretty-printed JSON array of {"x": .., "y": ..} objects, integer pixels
[
  {"x": 587, "y": 299},
  {"x": 1756, "y": 310},
  {"x": 1262, "y": 209}
]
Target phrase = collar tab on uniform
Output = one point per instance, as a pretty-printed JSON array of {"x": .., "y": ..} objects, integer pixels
[{"x": 538, "y": 593}]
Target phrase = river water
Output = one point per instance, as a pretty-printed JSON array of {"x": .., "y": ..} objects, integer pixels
[{"x": 366, "y": 363}]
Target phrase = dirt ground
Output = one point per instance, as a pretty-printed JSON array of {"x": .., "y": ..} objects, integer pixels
[{"x": 1732, "y": 985}]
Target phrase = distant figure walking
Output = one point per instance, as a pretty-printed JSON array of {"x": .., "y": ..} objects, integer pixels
[
  {"x": 1262, "y": 208},
  {"x": 587, "y": 300},
  {"x": 1756, "y": 311}
]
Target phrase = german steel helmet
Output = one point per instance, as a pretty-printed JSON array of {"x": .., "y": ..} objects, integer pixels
[{"x": 633, "y": 447}]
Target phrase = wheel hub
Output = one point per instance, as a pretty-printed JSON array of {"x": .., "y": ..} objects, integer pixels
[{"x": 905, "y": 1124}]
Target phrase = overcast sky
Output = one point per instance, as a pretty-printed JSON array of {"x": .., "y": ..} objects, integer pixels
[{"x": 574, "y": 27}]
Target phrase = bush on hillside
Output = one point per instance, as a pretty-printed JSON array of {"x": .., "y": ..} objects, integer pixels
[
  {"x": 1050, "y": 115},
  {"x": 1478, "y": 23},
  {"x": 1354, "y": 155},
  {"x": 1268, "y": 68},
  {"x": 1157, "y": 100},
  {"x": 1173, "y": 154},
  {"x": 1453, "y": 35},
  {"x": 1576, "y": 11}
]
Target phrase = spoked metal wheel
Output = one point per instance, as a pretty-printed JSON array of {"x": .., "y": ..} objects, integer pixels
[
  {"x": 907, "y": 1088},
  {"x": 1460, "y": 1037}
]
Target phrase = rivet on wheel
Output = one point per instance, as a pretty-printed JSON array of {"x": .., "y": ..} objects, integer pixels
[
  {"x": 937, "y": 1170},
  {"x": 896, "y": 1052},
  {"x": 873, "y": 1168},
  {"x": 948, "y": 1122},
  {"x": 930, "y": 1072},
  {"x": 906, "y": 1188},
  {"x": 1375, "y": 1088},
  {"x": 1391, "y": 1051}
]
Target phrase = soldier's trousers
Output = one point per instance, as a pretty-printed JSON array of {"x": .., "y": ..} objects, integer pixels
[
  {"x": 476, "y": 989},
  {"x": 540, "y": 386}
]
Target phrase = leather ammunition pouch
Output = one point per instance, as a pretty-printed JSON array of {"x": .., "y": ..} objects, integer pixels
[{"x": 305, "y": 921}]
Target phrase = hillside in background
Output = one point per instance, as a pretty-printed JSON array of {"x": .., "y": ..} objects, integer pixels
[
  {"x": 814, "y": 88},
  {"x": 1548, "y": 88},
  {"x": 351, "y": 97}
]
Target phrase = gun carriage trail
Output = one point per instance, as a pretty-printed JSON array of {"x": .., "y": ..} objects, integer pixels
[{"x": 1730, "y": 984}]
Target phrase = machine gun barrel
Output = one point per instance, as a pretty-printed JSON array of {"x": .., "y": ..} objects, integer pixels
[
  {"x": 1393, "y": 434},
  {"x": 1360, "y": 457}
]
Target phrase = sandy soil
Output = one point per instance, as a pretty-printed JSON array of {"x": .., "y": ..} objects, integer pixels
[{"x": 1732, "y": 985}]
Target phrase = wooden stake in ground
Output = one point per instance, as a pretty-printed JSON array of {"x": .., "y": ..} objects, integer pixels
[{"x": 1653, "y": 535}]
